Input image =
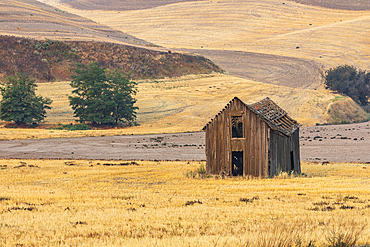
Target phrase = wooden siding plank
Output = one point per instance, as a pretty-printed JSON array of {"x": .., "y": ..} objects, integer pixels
[
  {"x": 258, "y": 147},
  {"x": 217, "y": 147},
  {"x": 280, "y": 153},
  {"x": 247, "y": 142},
  {"x": 267, "y": 140},
  {"x": 263, "y": 149},
  {"x": 212, "y": 142},
  {"x": 224, "y": 143},
  {"x": 221, "y": 143},
  {"x": 251, "y": 144}
]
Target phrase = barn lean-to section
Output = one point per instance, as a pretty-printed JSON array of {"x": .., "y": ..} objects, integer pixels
[{"x": 259, "y": 140}]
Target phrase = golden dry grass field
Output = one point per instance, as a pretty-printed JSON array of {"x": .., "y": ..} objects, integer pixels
[
  {"x": 186, "y": 104},
  {"x": 88, "y": 203},
  {"x": 327, "y": 36}
]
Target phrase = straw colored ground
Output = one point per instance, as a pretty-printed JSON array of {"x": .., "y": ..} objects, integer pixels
[
  {"x": 84, "y": 203},
  {"x": 186, "y": 104}
]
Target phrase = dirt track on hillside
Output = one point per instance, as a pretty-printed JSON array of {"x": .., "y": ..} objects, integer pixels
[
  {"x": 277, "y": 70},
  {"x": 334, "y": 143}
]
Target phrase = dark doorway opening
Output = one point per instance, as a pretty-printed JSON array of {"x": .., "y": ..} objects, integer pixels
[
  {"x": 237, "y": 164},
  {"x": 291, "y": 161}
]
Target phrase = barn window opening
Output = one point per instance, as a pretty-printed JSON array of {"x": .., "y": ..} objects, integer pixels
[
  {"x": 236, "y": 127},
  {"x": 237, "y": 165}
]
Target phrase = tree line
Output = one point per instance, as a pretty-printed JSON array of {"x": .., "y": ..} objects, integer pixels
[
  {"x": 99, "y": 97},
  {"x": 349, "y": 81}
]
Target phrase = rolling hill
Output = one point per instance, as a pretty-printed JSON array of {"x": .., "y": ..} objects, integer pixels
[
  {"x": 328, "y": 37},
  {"x": 33, "y": 19}
]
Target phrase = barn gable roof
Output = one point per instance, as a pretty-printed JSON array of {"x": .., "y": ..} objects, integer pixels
[{"x": 271, "y": 113}]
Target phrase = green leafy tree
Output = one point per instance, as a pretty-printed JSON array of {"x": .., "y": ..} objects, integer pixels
[
  {"x": 19, "y": 102},
  {"x": 102, "y": 97}
]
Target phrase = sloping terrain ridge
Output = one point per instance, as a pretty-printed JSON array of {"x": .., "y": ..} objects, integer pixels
[
  {"x": 49, "y": 60},
  {"x": 30, "y": 18}
]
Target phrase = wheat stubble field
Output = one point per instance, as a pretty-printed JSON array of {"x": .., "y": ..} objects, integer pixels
[{"x": 140, "y": 203}]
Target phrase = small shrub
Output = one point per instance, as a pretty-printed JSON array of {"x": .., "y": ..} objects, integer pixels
[
  {"x": 191, "y": 174},
  {"x": 344, "y": 234},
  {"x": 202, "y": 169},
  {"x": 200, "y": 172}
]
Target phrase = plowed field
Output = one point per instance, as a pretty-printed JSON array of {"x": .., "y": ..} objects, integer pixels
[{"x": 334, "y": 143}]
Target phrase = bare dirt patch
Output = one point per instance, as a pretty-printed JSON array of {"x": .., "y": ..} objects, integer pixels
[
  {"x": 336, "y": 143},
  {"x": 321, "y": 144},
  {"x": 120, "y": 5},
  {"x": 272, "y": 69},
  {"x": 338, "y": 4}
]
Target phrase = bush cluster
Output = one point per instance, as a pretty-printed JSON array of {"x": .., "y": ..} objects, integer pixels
[{"x": 349, "y": 81}]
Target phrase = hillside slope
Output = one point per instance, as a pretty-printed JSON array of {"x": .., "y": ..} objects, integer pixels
[
  {"x": 30, "y": 18},
  {"x": 55, "y": 60}
]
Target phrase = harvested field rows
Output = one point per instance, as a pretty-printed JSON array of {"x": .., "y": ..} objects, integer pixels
[
  {"x": 32, "y": 19},
  {"x": 271, "y": 69}
]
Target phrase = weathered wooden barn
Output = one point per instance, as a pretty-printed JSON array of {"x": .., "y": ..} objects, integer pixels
[{"x": 260, "y": 140}]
